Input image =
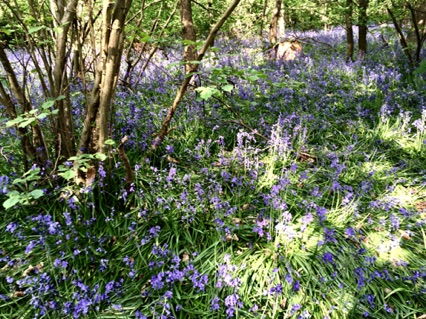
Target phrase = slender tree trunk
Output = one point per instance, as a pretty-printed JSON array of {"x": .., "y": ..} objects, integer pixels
[
  {"x": 207, "y": 43},
  {"x": 188, "y": 34},
  {"x": 362, "y": 29},
  {"x": 28, "y": 149},
  {"x": 95, "y": 129},
  {"x": 129, "y": 59},
  {"x": 155, "y": 48},
  {"x": 401, "y": 36},
  {"x": 65, "y": 143},
  {"x": 274, "y": 22},
  {"x": 265, "y": 6},
  {"x": 349, "y": 31},
  {"x": 41, "y": 155},
  {"x": 418, "y": 33}
]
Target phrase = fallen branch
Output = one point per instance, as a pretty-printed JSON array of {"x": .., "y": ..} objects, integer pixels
[{"x": 130, "y": 176}]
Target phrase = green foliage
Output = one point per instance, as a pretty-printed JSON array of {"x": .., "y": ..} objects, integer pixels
[
  {"x": 31, "y": 117},
  {"x": 421, "y": 69},
  {"x": 27, "y": 192}
]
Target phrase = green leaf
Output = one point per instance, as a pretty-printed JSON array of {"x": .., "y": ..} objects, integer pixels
[
  {"x": 11, "y": 201},
  {"x": 58, "y": 29},
  {"x": 36, "y": 193},
  {"x": 48, "y": 104},
  {"x": 190, "y": 74},
  {"x": 228, "y": 87},
  {"x": 26, "y": 122},
  {"x": 100, "y": 156},
  {"x": 188, "y": 42},
  {"x": 253, "y": 78},
  {"x": 7, "y": 31},
  {"x": 147, "y": 39},
  {"x": 109, "y": 142},
  {"x": 422, "y": 68},
  {"x": 67, "y": 174},
  {"x": 14, "y": 122},
  {"x": 42, "y": 115},
  {"x": 35, "y": 29},
  {"x": 18, "y": 180},
  {"x": 173, "y": 64},
  {"x": 32, "y": 172},
  {"x": 206, "y": 92}
]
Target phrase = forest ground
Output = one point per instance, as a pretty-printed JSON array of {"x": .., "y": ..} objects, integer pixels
[{"x": 285, "y": 190}]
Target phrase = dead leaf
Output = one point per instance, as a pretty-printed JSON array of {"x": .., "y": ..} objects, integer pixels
[
  {"x": 17, "y": 294},
  {"x": 404, "y": 234},
  {"x": 90, "y": 176},
  {"x": 283, "y": 303},
  {"x": 28, "y": 271},
  {"x": 246, "y": 207},
  {"x": 387, "y": 291},
  {"x": 237, "y": 221},
  {"x": 185, "y": 257},
  {"x": 305, "y": 157},
  {"x": 421, "y": 207},
  {"x": 172, "y": 160},
  {"x": 230, "y": 238}
]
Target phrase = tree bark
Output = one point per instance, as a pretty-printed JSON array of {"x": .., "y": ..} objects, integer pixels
[
  {"x": 349, "y": 31},
  {"x": 274, "y": 22},
  {"x": 188, "y": 34},
  {"x": 95, "y": 129},
  {"x": 64, "y": 131},
  {"x": 362, "y": 29}
]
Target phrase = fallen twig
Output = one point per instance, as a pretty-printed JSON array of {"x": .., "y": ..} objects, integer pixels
[{"x": 130, "y": 177}]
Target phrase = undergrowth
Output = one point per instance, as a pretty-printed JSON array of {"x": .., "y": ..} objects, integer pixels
[{"x": 296, "y": 191}]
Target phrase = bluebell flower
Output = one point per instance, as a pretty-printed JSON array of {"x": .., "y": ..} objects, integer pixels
[
  {"x": 387, "y": 308},
  {"x": 328, "y": 258},
  {"x": 278, "y": 289},
  {"x": 215, "y": 304},
  {"x": 296, "y": 286},
  {"x": 350, "y": 232},
  {"x": 295, "y": 308}
]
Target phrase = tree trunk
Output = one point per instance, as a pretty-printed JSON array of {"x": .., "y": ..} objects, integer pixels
[
  {"x": 188, "y": 34},
  {"x": 41, "y": 155},
  {"x": 265, "y": 6},
  {"x": 418, "y": 32},
  {"x": 362, "y": 29},
  {"x": 96, "y": 123},
  {"x": 274, "y": 22},
  {"x": 64, "y": 131},
  {"x": 349, "y": 31},
  {"x": 401, "y": 36},
  {"x": 207, "y": 43},
  {"x": 28, "y": 149}
]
